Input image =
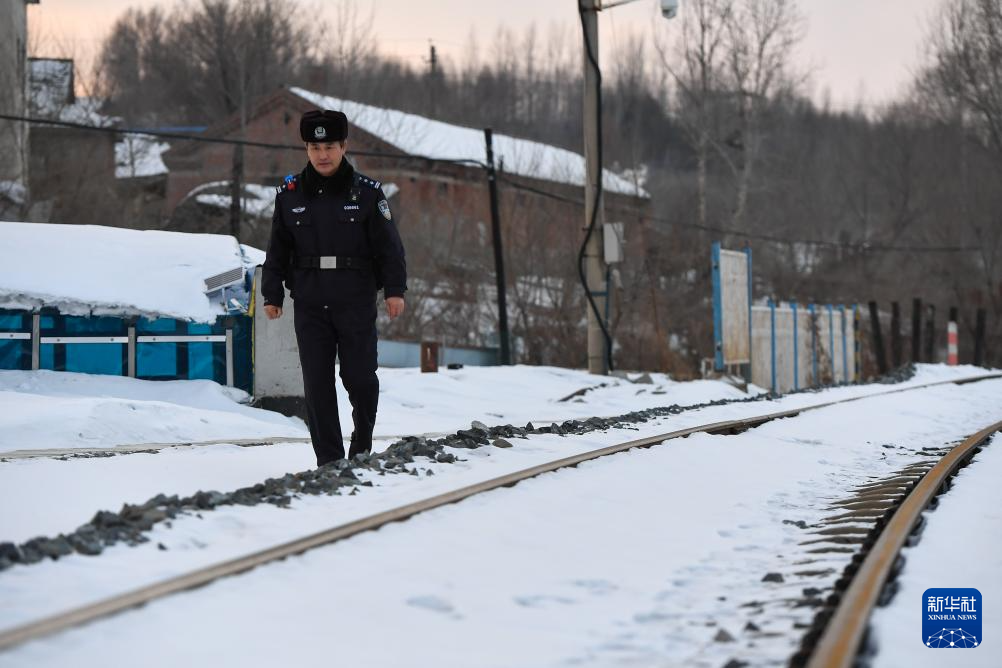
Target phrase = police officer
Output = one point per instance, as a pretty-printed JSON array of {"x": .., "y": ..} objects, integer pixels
[{"x": 334, "y": 244}]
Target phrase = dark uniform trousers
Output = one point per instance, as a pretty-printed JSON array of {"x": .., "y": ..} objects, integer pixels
[{"x": 349, "y": 333}]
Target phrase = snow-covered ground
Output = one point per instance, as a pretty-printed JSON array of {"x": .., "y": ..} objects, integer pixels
[
  {"x": 58, "y": 410},
  {"x": 638, "y": 559},
  {"x": 960, "y": 547}
]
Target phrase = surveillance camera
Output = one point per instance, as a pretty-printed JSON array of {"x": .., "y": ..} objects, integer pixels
[{"x": 669, "y": 8}]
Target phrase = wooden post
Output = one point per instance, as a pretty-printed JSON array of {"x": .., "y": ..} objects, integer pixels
[
  {"x": 916, "y": 330},
  {"x": 979, "y": 338},
  {"x": 930, "y": 334},
  {"x": 895, "y": 335},
  {"x": 878, "y": 339}
]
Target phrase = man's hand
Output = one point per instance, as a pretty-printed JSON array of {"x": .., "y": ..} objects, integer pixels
[
  {"x": 272, "y": 311},
  {"x": 394, "y": 306}
]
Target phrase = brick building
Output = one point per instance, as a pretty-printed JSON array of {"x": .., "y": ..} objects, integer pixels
[{"x": 422, "y": 188}]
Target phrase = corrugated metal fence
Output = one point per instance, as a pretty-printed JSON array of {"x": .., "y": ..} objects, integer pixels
[{"x": 796, "y": 346}]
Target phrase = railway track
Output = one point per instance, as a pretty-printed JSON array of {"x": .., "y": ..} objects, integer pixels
[
  {"x": 842, "y": 634},
  {"x": 85, "y": 614}
]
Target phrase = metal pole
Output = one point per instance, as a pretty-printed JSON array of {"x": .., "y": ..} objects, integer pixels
[
  {"x": 492, "y": 184},
  {"x": 597, "y": 362}
]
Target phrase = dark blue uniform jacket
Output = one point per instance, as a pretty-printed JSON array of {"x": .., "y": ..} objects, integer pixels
[{"x": 344, "y": 215}]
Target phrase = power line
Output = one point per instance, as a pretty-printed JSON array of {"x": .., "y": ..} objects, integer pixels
[
  {"x": 862, "y": 247},
  {"x": 232, "y": 142}
]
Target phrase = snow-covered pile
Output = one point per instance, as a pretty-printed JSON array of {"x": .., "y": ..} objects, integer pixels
[
  {"x": 417, "y": 135},
  {"x": 84, "y": 269},
  {"x": 49, "y": 409}
]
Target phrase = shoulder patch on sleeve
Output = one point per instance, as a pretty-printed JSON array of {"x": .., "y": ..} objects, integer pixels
[{"x": 290, "y": 182}]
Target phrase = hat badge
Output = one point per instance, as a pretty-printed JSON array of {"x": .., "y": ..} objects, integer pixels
[{"x": 319, "y": 132}]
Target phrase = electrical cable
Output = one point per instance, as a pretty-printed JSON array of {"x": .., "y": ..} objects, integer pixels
[
  {"x": 234, "y": 142},
  {"x": 593, "y": 59},
  {"x": 857, "y": 247}
]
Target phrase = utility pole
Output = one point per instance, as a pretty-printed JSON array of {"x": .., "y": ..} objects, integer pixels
[
  {"x": 492, "y": 184},
  {"x": 591, "y": 262},
  {"x": 594, "y": 270}
]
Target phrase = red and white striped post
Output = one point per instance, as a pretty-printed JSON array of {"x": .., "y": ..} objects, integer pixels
[{"x": 951, "y": 341}]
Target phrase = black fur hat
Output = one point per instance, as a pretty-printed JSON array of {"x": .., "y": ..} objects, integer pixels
[{"x": 323, "y": 126}]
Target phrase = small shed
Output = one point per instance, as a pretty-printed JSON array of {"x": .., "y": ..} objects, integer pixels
[{"x": 145, "y": 304}]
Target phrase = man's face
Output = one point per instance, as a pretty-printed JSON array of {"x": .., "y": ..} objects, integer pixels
[{"x": 326, "y": 156}]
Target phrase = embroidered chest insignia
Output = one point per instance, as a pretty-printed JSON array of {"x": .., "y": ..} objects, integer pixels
[
  {"x": 299, "y": 209},
  {"x": 351, "y": 207}
]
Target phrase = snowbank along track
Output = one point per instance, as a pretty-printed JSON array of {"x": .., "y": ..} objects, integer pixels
[{"x": 206, "y": 575}]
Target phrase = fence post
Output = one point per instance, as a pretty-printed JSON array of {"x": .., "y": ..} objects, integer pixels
[
  {"x": 878, "y": 339},
  {"x": 916, "y": 330},
  {"x": 951, "y": 338},
  {"x": 718, "y": 311},
  {"x": 751, "y": 348},
  {"x": 131, "y": 353},
  {"x": 845, "y": 347},
  {"x": 229, "y": 354},
  {"x": 930, "y": 334},
  {"x": 772, "y": 328},
  {"x": 856, "y": 347},
  {"x": 895, "y": 334},
  {"x": 831, "y": 338},
  {"x": 814, "y": 344},
  {"x": 36, "y": 340},
  {"x": 979, "y": 338},
  {"x": 796, "y": 348}
]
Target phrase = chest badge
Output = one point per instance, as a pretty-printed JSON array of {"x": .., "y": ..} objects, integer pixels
[
  {"x": 351, "y": 207},
  {"x": 299, "y": 209},
  {"x": 384, "y": 208}
]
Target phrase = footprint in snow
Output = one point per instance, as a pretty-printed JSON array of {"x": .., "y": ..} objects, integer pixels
[
  {"x": 596, "y": 587},
  {"x": 542, "y": 600},
  {"x": 434, "y": 604}
]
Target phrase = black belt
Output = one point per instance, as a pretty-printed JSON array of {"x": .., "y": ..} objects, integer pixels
[{"x": 332, "y": 262}]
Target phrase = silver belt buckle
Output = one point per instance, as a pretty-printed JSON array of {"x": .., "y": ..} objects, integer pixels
[{"x": 328, "y": 262}]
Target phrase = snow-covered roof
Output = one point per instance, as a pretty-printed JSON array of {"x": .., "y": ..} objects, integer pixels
[
  {"x": 418, "y": 135},
  {"x": 91, "y": 269},
  {"x": 138, "y": 155}
]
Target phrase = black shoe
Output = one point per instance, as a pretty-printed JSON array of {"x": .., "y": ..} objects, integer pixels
[{"x": 359, "y": 445}]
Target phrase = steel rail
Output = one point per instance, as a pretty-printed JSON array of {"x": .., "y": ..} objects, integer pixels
[
  {"x": 841, "y": 640},
  {"x": 203, "y": 576}
]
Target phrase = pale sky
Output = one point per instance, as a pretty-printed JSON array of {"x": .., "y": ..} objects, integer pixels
[{"x": 859, "y": 50}]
